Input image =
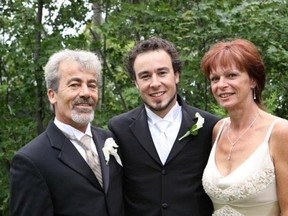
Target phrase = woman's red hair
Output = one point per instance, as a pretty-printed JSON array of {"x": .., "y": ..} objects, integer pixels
[{"x": 240, "y": 53}]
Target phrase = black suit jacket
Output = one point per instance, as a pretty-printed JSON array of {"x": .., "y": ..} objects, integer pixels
[
  {"x": 50, "y": 177},
  {"x": 173, "y": 189}
]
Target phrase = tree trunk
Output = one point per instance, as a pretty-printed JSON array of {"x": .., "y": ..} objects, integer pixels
[{"x": 38, "y": 72}]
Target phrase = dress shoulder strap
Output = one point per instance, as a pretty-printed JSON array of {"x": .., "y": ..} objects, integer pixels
[
  {"x": 220, "y": 131},
  {"x": 267, "y": 137}
]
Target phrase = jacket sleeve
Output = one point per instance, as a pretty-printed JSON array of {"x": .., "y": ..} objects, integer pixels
[{"x": 29, "y": 193}]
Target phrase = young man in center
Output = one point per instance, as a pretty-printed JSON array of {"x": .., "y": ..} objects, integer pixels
[{"x": 162, "y": 172}]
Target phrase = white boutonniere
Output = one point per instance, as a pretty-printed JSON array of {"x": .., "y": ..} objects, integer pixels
[
  {"x": 110, "y": 148},
  {"x": 195, "y": 127}
]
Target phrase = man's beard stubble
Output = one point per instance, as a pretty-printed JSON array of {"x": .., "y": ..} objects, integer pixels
[
  {"x": 82, "y": 117},
  {"x": 160, "y": 107}
]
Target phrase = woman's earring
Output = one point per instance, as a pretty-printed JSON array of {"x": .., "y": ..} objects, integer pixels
[{"x": 254, "y": 93}]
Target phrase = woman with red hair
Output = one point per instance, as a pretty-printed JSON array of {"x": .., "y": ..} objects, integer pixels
[{"x": 247, "y": 172}]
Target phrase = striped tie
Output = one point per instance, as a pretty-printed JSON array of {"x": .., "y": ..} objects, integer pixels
[{"x": 92, "y": 158}]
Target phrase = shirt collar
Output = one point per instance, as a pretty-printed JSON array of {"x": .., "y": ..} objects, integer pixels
[
  {"x": 71, "y": 130},
  {"x": 170, "y": 116}
]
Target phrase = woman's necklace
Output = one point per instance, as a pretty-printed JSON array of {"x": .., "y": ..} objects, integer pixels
[{"x": 239, "y": 137}]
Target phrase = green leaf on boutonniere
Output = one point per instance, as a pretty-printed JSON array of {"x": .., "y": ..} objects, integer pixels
[{"x": 195, "y": 127}]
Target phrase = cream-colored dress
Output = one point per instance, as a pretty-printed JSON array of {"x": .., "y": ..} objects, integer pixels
[{"x": 249, "y": 190}]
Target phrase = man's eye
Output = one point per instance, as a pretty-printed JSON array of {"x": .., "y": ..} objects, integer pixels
[
  {"x": 74, "y": 85},
  {"x": 93, "y": 86},
  {"x": 163, "y": 73},
  {"x": 144, "y": 77}
]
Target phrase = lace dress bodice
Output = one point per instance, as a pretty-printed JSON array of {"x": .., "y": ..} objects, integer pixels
[{"x": 249, "y": 190}]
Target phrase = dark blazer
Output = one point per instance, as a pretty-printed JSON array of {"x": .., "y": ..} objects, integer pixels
[
  {"x": 173, "y": 189},
  {"x": 50, "y": 177}
]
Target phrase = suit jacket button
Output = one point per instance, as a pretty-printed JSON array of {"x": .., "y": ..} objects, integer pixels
[
  {"x": 163, "y": 172},
  {"x": 164, "y": 205}
]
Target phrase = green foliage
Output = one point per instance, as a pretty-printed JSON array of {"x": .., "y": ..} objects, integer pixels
[{"x": 16, "y": 130}]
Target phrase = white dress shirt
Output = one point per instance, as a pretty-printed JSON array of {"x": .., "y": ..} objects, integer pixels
[
  {"x": 73, "y": 132},
  {"x": 173, "y": 121}
]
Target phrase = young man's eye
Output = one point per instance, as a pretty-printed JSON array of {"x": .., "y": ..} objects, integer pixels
[
  {"x": 144, "y": 77},
  {"x": 162, "y": 73}
]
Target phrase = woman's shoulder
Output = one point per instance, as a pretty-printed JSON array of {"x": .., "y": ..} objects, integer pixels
[
  {"x": 218, "y": 126},
  {"x": 280, "y": 128},
  {"x": 279, "y": 135},
  {"x": 221, "y": 123}
]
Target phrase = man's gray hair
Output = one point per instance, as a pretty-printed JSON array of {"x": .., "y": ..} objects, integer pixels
[{"x": 88, "y": 60}]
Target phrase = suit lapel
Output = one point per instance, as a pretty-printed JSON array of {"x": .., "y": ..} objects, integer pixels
[
  {"x": 187, "y": 121},
  {"x": 69, "y": 155},
  {"x": 142, "y": 133},
  {"x": 99, "y": 142}
]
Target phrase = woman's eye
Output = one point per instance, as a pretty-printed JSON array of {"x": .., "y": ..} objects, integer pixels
[
  {"x": 232, "y": 75},
  {"x": 213, "y": 79}
]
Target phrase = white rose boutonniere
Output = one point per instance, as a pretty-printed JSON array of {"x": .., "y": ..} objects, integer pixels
[
  {"x": 195, "y": 127},
  {"x": 110, "y": 148}
]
